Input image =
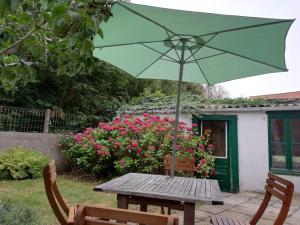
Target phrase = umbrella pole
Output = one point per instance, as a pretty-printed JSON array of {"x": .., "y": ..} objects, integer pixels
[{"x": 179, "y": 88}]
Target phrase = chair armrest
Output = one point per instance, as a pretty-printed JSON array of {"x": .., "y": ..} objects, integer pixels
[{"x": 106, "y": 214}]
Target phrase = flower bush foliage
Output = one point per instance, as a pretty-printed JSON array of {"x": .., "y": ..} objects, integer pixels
[{"x": 134, "y": 144}]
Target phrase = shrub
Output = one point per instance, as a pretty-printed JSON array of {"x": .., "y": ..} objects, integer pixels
[
  {"x": 21, "y": 163},
  {"x": 12, "y": 213},
  {"x": 134, "y": 144}
]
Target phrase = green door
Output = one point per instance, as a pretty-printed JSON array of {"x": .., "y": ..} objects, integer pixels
[{"x": 224, "y": 130}]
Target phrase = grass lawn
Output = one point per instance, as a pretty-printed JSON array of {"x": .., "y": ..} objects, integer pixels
[{"x": 32, "y": 194}]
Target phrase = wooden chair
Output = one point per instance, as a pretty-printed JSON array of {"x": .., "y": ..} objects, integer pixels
[
  {"x": 62, "y": 211},
  {"x": 186, "y": 166},
  {"x": 90, "y": 215},
  {"x": 183, "y": 165},
  {"x": 275, "y": 186},
  {"x": 66, "y": 214}
]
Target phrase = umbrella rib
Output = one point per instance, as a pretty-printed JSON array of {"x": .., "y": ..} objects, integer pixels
[
  {"x": 200, "y": 46},
  {"x": 173, "y": 60},
  {"x": 132, "y": 43},
  {"x": 169, "y": 60},
  {"x": 145, "y": 17},
  {"x": 200, "y": 68},
  {"x": 192, "y": 61},
  {"x": 245, "y": 57},
  {"x": 242, "y": 28},
  {"x": 170, "y": 38},
  {"x": 157, "y": 60}
]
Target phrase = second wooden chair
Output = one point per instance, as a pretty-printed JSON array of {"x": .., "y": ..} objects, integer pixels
[{"x": 275, "y": 186}]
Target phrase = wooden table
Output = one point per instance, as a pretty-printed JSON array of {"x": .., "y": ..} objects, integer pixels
[{"x": 179, "y": 193}]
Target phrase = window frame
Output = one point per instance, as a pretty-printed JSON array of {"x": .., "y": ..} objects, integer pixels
[{"x": 286, "y": 117}]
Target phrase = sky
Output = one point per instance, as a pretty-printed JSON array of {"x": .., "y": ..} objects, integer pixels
[{"x": 284, "y": 9}]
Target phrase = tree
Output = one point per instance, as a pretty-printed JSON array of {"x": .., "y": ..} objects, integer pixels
[
  {"x": 215, "y": 91},
  {"x": 52, "y": 34}
]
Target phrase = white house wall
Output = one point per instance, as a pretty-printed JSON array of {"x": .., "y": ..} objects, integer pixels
[{"x": 252, "y": 149}]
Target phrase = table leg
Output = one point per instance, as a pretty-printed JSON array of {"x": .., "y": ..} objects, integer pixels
[
  {"x": 189, "y": 213},
  {"x": 122, "y": 201}
]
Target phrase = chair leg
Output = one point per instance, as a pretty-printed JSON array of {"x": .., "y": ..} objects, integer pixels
[{"x": 143, "y": 208}]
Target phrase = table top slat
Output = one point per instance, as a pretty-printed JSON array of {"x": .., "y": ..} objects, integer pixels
[
  {"x": 188, "y": 187},
  {"x": 185, "y": 189},
  {"x": 180, "y": 183},
  {"x": 217, "y": 197},
  {"x": 193, "y": 188},
  {"x": 208, "y": 190}
]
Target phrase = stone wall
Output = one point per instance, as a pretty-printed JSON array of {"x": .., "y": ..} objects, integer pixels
[{"x": 44, "y": 142}]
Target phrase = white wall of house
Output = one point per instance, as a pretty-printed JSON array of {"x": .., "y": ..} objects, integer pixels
[{"x": 253, "y": 149}]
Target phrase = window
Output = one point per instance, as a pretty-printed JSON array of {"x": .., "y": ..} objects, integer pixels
[
  {"x": 219, "y": 132},
  {"x": 284, "y": 142}
]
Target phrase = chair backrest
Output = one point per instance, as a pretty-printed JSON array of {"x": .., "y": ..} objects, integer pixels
[
  {"x": 280, "y": 188},
  {"x": 184, "y": 165},
  {"x": 91, "y": 215},
  {"x": 58, "y": 205}
]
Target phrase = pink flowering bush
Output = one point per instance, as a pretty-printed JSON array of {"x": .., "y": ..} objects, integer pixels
[{"x": 133, "y": 144}]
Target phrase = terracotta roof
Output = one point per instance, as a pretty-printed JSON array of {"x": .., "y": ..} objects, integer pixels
[{"x": 286, "y": 95}]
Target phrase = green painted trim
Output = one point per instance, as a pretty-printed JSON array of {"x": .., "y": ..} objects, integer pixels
[
  {"x": 235, "y": 158},
  {"x": 232, "y": 141},
  {"x": 287, "y": 140},
  {"x": 286, "y": 116},
  {"x": 269, "y": 142}
]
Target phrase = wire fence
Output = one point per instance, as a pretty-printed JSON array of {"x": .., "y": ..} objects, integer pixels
[{"x": 16, "y": 119}]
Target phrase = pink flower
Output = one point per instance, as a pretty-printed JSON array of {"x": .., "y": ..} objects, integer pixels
[
  {"x": 134, "y": 144},
  {"x": 190, "y": 150},
  {"x": 139, "y": 150},
  {"x": 151, "y": 147},
  {"x": 213, "y": 172},
  {"x": 122, "y": 162},
  {"x": 123, "y": 133},
  {"x": 203, "y": 161},
  {"x": 211, "y": 146},
  {"x": 146, "y": 115},
  {"x": 78, "y": 137},
  {"x": 194, "y": 125},
  {"x": 117, "y": 144},
  {"x": 99, "y": 147},
  {"x": 201, "y": 146}
]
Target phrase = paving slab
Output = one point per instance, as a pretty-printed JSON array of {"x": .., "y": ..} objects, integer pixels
[{"x": 241, "y": 206}]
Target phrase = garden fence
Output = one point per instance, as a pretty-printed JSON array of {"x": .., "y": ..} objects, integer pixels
[{"x": 14, "y": 119}]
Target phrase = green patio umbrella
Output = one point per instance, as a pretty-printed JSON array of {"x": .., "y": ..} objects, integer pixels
[{"x": 158, "y": 43}]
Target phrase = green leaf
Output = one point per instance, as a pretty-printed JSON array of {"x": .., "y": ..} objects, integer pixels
[{"x": 59, "y": 12}]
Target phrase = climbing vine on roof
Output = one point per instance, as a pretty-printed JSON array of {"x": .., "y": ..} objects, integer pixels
[{"x": 192, "y": 103}]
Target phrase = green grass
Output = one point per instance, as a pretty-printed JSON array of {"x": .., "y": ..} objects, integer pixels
[{"x": 32, "y": 194}]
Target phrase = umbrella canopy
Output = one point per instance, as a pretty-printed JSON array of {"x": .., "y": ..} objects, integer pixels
[{"x": 158, "y": 43}]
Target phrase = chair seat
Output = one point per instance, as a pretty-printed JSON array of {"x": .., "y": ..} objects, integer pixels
[{"x": 223, "y": 220}]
